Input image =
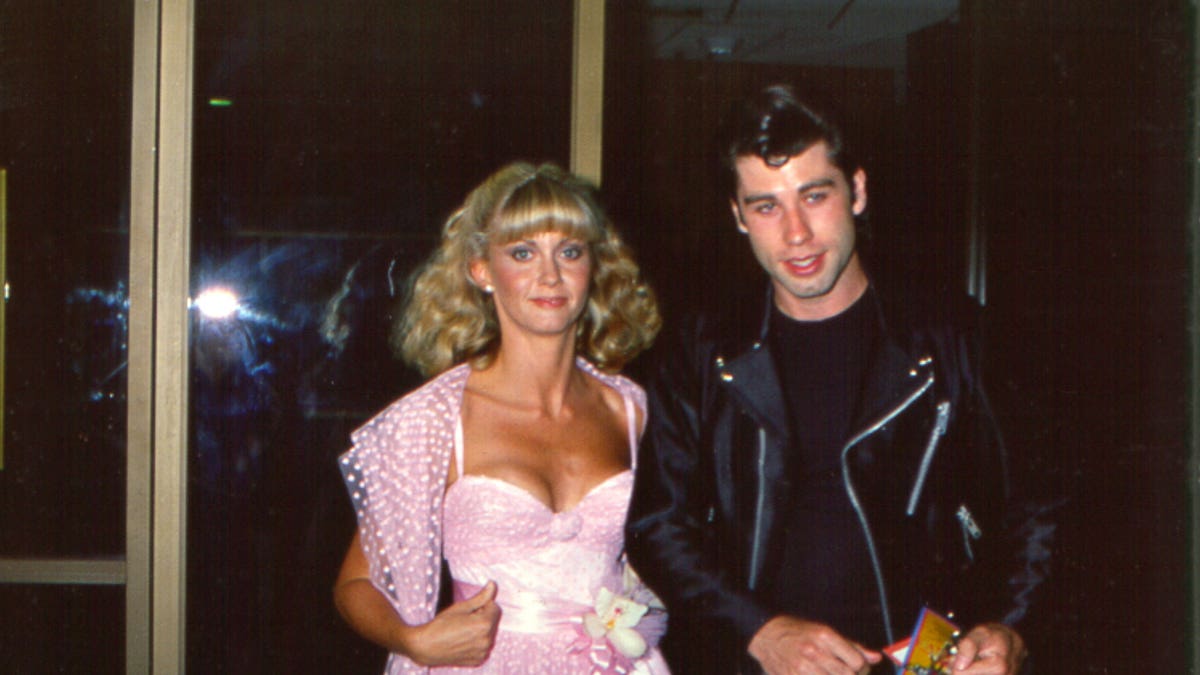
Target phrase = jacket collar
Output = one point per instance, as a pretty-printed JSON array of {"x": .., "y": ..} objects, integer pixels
[{"x": 744, "y": 361}]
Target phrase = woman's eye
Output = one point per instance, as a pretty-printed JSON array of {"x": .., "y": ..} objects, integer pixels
[
  {"x": 572, "y": 252},
  {"x": 521, "y": 254}
]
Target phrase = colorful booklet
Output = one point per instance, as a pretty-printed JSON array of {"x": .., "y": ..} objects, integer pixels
[{"x": 930, "y": 647}]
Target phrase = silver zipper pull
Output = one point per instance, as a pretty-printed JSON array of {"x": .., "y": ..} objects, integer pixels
[
  {"x": 970, "y": 529},
  {"x": 968, "y": 522}
]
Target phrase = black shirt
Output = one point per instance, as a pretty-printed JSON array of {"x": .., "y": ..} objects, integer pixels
[{"x": 824, "y": 569}]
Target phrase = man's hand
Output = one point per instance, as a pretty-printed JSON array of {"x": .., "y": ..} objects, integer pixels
[
  {"x": 989, "y": 649},
  {"x": 786, "y": 645},
  {"x": 460, "y": 635}
]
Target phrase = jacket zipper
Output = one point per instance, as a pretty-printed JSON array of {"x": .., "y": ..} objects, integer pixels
[
  {"x": 760, "y": 504},
  {"x": 857, "y": 505},
  {"x": 939, "y": 429}
]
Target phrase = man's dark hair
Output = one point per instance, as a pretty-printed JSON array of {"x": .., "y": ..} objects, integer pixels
[{"x": 775, "y": 124}]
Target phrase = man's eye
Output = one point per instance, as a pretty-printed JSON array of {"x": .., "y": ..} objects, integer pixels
[
  {"x": 815, "y": 197},
  {"x": 764, "y": 209}
]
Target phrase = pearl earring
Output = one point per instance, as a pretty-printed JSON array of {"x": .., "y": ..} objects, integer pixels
[{"x": 488, "y": 289}]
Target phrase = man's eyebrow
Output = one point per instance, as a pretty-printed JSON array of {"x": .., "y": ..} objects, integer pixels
[
  {"x": 804, "y": 187},
  {"x": 819, "y": 183},
  {"x": 763, "y": 197}
]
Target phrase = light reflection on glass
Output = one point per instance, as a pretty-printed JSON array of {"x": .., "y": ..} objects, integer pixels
[{"x": 216, "y": 303}]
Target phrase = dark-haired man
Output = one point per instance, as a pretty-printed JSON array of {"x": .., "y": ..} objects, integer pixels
[{"x": 820, "y": 468}]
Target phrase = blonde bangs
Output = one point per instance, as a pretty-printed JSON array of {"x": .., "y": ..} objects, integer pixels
[{"x": 541, "y": 206}]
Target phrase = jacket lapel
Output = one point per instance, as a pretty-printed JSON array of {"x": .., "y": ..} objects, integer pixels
[
  {"x": 891, "y": 376},
  {"x": 753, "y": 379}
]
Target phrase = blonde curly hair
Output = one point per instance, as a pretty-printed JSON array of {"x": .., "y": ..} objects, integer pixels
[{"x": 447, "y": 319}]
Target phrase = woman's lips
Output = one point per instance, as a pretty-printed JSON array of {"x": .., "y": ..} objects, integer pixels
[{"x": 549, "y": 303}]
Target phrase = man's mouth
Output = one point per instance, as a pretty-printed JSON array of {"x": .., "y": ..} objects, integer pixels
[{"x": 804, "y": 266}]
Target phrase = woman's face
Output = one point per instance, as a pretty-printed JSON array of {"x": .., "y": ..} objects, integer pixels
[{"x": 540, "y": 283}]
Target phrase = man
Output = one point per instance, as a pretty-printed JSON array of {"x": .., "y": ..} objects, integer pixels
[{"x": 817, "y": 470}]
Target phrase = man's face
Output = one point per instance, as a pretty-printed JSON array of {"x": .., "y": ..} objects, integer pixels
[{"x": 800, "y": 220}]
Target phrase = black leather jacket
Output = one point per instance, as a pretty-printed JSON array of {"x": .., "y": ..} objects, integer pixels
[{"x": 925, "y": 472}]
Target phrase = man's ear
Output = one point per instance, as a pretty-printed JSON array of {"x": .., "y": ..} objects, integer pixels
[
  {"x": 859, "y": 187},
  {"x": 737, "y": 216}
]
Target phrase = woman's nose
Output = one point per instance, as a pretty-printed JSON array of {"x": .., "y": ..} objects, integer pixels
[{"x": 548, "y": 272}]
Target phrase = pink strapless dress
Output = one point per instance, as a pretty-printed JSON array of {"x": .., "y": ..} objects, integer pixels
[{"x": 548, "y": 568}]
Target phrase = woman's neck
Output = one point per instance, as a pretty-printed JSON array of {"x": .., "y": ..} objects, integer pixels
[{"x": 532, "y": 374}]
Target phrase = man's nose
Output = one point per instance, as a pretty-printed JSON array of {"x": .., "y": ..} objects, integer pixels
[{"x": 796, "y": 228}]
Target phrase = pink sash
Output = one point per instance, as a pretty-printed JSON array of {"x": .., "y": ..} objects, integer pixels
[{"x": 534, "y": 614}]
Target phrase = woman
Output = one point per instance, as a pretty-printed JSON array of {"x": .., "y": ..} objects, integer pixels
[{"x": 515, "y": 461}]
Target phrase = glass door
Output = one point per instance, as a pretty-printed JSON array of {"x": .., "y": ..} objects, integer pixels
[
  {"x": 331, "y": 140},
  {"x": 66, "y": 90}
]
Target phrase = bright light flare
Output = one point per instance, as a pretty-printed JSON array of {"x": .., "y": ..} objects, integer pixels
[{"x": 216, "y": 303}]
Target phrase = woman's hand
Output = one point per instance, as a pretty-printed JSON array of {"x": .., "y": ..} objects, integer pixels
[{"x": 460, "y": 635}]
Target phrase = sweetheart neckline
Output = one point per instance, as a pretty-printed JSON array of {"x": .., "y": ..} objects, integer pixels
[{"x": 513, "y": 487}]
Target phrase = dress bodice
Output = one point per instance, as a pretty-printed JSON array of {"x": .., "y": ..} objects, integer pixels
[
  {"x": 494, "y": 530},
  {"x": 549, "y": 567}
]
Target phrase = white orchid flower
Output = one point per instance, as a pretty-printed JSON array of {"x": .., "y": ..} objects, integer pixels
[{"x": 614, "y": 618}]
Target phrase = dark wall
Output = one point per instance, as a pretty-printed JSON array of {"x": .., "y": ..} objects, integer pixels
[{"x": 1085, "y": 194}]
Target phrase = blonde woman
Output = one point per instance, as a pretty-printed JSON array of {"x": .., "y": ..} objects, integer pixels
[{"x": 515, "y": 462}]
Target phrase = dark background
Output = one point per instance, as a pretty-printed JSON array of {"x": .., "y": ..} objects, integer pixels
[{"x": 357, "y": 126}]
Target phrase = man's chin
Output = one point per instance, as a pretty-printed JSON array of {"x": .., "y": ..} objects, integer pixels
[{"x": 812, "y": 290}]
